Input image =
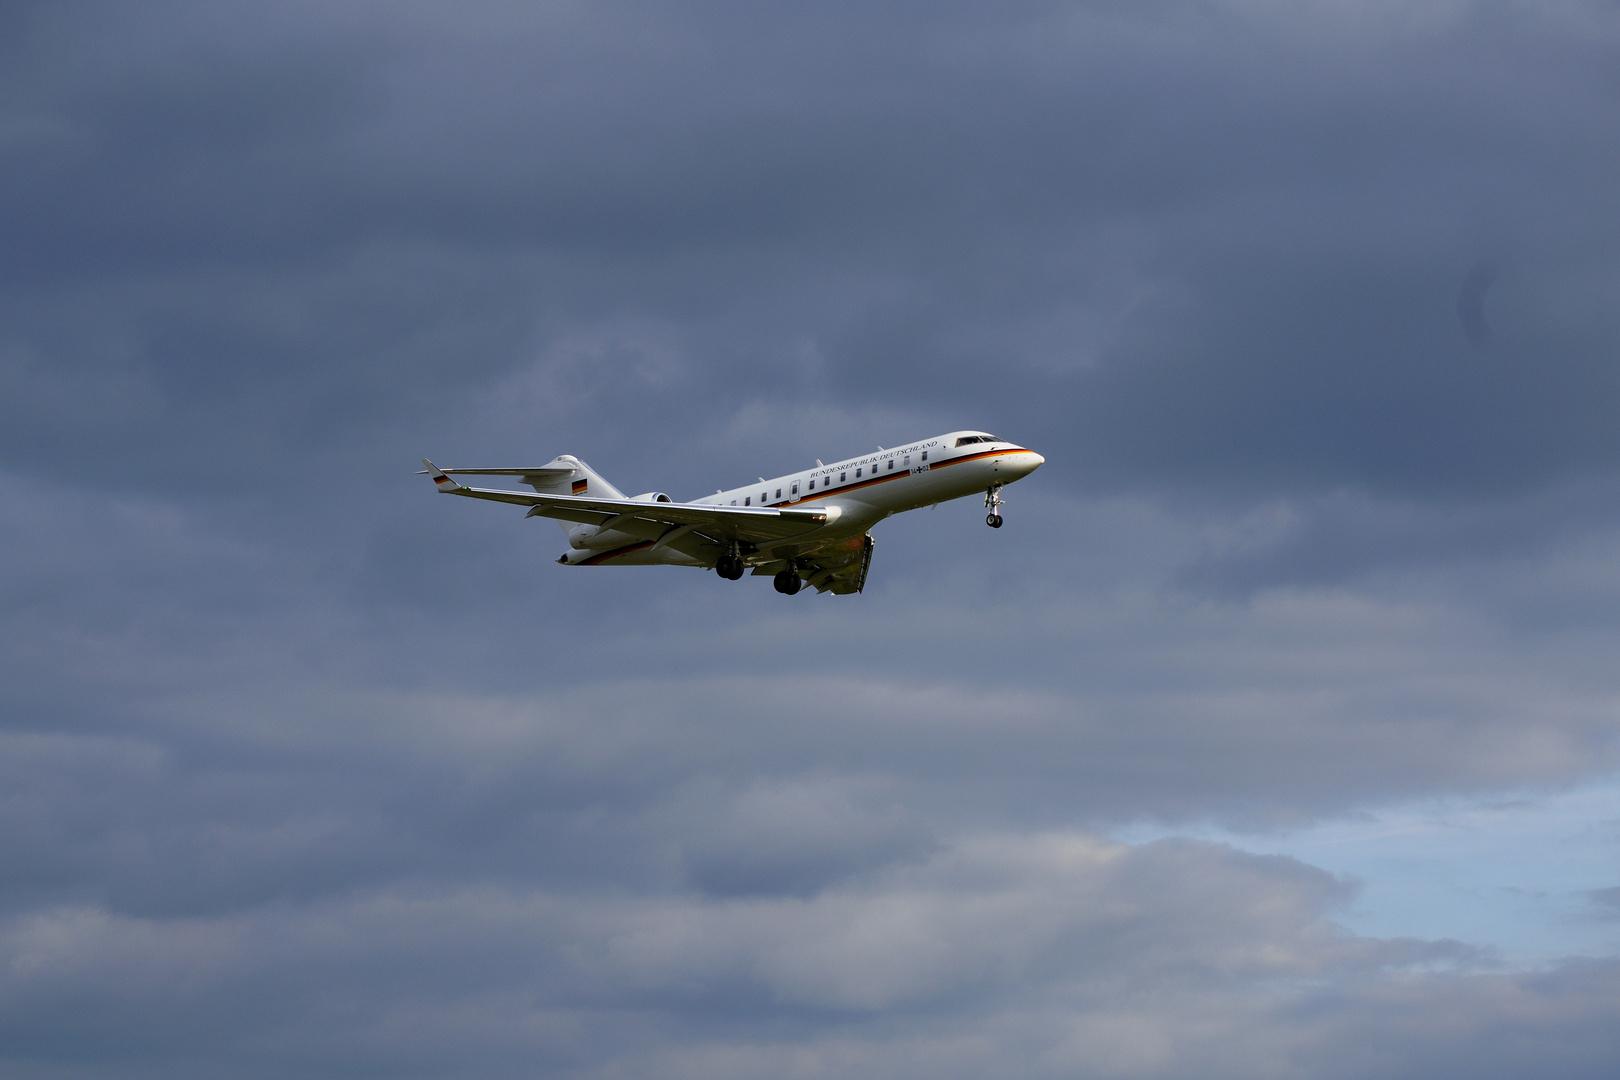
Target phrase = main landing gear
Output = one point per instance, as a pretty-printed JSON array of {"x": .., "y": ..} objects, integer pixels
[
  {"x": 993, "y": 500},
  {"x": 730, "y": 566}
]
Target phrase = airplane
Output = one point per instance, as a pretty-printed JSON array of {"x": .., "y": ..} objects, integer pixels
[{"x": 806, "y": 528}]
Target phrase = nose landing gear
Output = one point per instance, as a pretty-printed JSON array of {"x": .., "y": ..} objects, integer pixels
[{"x": 993, "y": 500}]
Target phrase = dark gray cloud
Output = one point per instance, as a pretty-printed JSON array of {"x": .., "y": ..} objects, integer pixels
[
  {"x": 1050, "y": 954},
  {"x": 304, "y": 772},
  {"x": 1229, "y": 270},
  {"x": 1607, "y": 901}
]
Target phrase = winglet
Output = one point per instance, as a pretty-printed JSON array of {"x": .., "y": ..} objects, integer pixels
[{"x": 441, "y": 481}]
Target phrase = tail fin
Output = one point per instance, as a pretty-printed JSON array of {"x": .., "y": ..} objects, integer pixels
[
  {"x": 564, "y": 475},
  {"x": 567, "y": 475},
  {"x": 441, "y": 481}
]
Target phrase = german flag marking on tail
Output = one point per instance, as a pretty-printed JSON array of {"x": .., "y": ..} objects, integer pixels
[{"x": 580, "y": 486}]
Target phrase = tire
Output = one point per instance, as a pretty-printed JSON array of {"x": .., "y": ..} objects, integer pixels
[
  {"x": 787, "y": 583},
  {"x": 993, "y": 520}
]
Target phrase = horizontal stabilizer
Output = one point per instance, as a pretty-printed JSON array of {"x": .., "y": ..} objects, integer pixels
[
  {"x": 563, "y": 475},
  {"x": 539, "y": 471}
]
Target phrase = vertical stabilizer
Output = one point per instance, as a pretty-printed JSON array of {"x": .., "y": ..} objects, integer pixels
[{"x": 567, "y": 475}]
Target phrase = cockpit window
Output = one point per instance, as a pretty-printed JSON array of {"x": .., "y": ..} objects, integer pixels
[{"x": 966, "y": 439}]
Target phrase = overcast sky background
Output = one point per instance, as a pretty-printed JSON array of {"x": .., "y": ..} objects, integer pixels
[{"x": 1275, "y": 735}]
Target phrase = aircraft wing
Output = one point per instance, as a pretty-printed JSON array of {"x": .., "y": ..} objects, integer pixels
[{"x": 753, "y": 524}]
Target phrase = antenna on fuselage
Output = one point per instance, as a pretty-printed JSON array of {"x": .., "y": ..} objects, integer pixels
[
  {"x": 880, "y": 448},
  {"x": 819, "y": 465}
]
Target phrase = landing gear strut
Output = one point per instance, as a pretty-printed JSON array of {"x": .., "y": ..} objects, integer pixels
[
  {"x": 993, "y": 500},
  {"x": 787, "y": 582}
]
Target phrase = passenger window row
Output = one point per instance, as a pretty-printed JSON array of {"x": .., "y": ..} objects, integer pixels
[{"x": 843, "y": 477}]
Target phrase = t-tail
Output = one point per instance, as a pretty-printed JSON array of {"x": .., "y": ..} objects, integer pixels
[{"x": 562, "y": 475}]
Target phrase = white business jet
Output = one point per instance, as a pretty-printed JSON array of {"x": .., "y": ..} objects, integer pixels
[{"x": 809, "y": 528}]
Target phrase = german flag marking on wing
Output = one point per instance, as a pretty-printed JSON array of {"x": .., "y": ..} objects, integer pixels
[{"x": 579, "y": 487}]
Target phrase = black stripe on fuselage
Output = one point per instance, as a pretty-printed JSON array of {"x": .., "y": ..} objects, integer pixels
[
  {"x": 901, "y": 474},
  {"x": 615, "y": 553}
]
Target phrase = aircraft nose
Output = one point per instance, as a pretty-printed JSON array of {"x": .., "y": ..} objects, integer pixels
[{"x": 1032, "y": 461}]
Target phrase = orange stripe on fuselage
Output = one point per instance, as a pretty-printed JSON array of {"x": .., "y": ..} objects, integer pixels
[
  {"x": 901, "y": 474},
  {"x": 615, "y": 553},
  {"x": 982, "y": 454},
  {"x": 828, "y": 493}
]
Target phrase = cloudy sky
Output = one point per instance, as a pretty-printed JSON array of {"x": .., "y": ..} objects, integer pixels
[{"x": 1275, "y": 736}]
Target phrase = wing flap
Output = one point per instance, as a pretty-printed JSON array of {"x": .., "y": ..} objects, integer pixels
[
  {"x": 843, "y": 567},
  {"x": 839, "y": 568}
]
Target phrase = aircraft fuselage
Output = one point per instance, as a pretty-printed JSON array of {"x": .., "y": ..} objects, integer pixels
[
  {"x": 855, "y": 493},
  {"x": 805, "y": 529}
]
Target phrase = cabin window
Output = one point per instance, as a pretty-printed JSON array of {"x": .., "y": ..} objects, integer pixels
[
  {"x": 795, "y": 487},
  {"x": 778, "y": 493},
  {"x": 733, "y": 502},
  {"x": 857, "y": 474},
  {"x": 812, "y": 483},
  {"x": 925, "y": 455},
  {"x": 842, "y": 477},
  {"x": 891, "y": 464},
  {"x": 908, "y": 461},
  {"x": 747, "y": 501}
]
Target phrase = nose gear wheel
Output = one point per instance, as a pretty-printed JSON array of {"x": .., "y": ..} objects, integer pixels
[{"x": 993, "y": 500}]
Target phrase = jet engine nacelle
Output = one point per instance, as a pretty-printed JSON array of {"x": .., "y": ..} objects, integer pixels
[
  {"x": 581, "y": 537},
  {"x": 586, "y": 537}
]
